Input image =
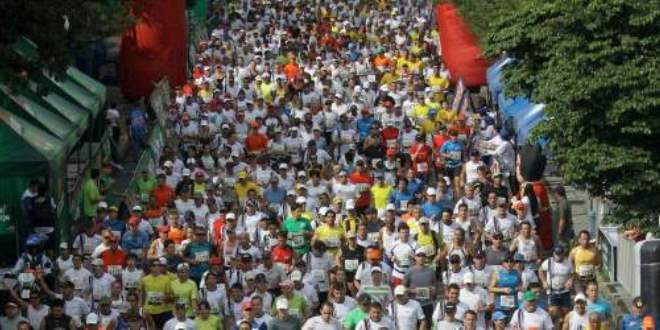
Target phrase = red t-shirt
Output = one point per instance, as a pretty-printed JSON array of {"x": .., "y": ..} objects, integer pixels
[
  {"x": 111, "y": 258},
  {"x": 163, "y": 195},
  {"x": 367, "y": 181},
  {"x": 282, "y": 255}
]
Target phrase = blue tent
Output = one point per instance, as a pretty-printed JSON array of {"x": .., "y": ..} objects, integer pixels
[{"x": 519, "y": 111}]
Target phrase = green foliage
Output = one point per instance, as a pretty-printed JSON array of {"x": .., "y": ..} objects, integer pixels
[
  {"x": 43, "y": 22},
  {"x": 596, "y": 66},
  {"x": 482, "y": 14}
]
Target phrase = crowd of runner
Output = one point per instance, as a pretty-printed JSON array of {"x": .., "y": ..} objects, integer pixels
[{"x": 316, "y": 176}]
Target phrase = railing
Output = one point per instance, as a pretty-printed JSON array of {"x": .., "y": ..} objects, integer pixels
[{"x": 627, "y": 264}]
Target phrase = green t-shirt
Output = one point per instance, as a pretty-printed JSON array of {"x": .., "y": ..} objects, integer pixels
[
  {"x": 211, "y": 323},
  {"x": 91, "y": 196},
  {"x": 353, "y": 318},
  {"x": 296, "y": 229},
  {"x": 186, "y": 291},
  {"x": 144, "y": 187},
  {"x": 297, "y": 306}
]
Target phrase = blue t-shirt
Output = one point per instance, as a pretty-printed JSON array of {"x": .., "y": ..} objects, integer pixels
[
  {"x": 431, "y": 210},
  {"x": 397, "y": 196},
  {"x": 455, "y": 151},
  {"x": 135, "y": 241},
  {"x": 363, "y": 126},
  {"x": 601, "y": 307},
  {"x": 414, "y": 186},
  {"x": 275, "y": 196}
]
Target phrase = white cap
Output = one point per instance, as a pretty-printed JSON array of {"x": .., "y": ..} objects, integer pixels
[
  {"x": 400, "y": 290},
  {"x": 296, "y": 275},
  {"x": 92, "y": 318},
  {"x": 64, "y": 245},
  {"x": 203, "y": 123},
  {"x": 468, "y": 278},
  {"x": 97, "y": 262},
  {"x": 302, "y": 173},
  {"x": 350, "y": 204},
  {"x": 323, "y": 210},
  {"x": 168, "y": 163},
  {"x": 190, "y": 161},
  {"x": 301, "y": 200},
  {"x": 421, "y": 250},
  {"x": 102, "y": 205},
  {"x": 137, "y": 208},
  {"x": 180, "y": 326},
  {"x": 390, "y": 207},
  {"x": 376, "y": 269},
  {"x": 430, "y": 191},
  {"x": 580, "y": 296},
  {"x": 423, "y": 220},
  {"x": 186, "y": 172},
  {"x": 283, "y": 166},
  {"x": 162, "y": 261},
  {"x": 230, "y": 215},
  {"x": 282, "y": 303}
]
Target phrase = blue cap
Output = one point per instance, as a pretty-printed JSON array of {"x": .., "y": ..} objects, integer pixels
[
  {"x": 518, "y": 257},
  {"x": 499, "y": 316}
]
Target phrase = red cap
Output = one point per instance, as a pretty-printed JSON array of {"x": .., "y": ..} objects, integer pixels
[
  {"x": 248, "y": 306},
  {"x": 133, "y": 220},
  {"x": 163, "y": 229}
]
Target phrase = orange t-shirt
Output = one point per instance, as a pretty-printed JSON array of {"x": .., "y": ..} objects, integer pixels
[
  {"x": 176, "y": 235},
  {"x": 256, "y": 142},
  {"x": 367, "y": 181},
  {"x": 291, "y": 71}
]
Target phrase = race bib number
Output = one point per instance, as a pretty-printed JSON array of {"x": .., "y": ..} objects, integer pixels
[
  {"x": 202, "y": 256},
  {"x": 557, "y": 283},
  {"x": 462, "y": 137},
  {"x": 371, "y": 78},
  {"x": 586, "y": 270},
  {"x": 298, "y": 240},
  {"x": 391, "y": 143},
  {"x": 351, "y": 264},
  {"x": 404, "y": 262},
  {"x": 346, "y": 136},
  {"x": 508, "y": 301},
  {"x": 155, "y": 298},
  {"x": 423, "y": 293},
  {"x": 373, "y": 236},
  {"x": 131, "y": 285},
  {"x": 332, "y": 242},
  {"x": 422, "y": 167},
  {"x": 404, "y": 205},
  {"x": 455, "y": 155},
  {"x": 115, "y": 270},
  {"x": 294, "y": 312}
]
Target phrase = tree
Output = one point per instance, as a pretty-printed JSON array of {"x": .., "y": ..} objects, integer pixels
[
  {"x": 59, "y": 28},
  {"x": 595, "y": 64}
]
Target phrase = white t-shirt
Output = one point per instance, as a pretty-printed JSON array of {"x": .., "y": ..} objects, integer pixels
[
  {"x": 217, "y": 299},
  {"x": 130, "y": 279},
  {"x": 79, "y": 278},
  {"x": 406, "y": 316},
  {"x": 101, "y": 286},
  {"x": 558, "y": 273},
  {"x": 317, "y": 323},
  {"x": 369, "y": 324},
  {"x": 537, "y": 320},
  {"x": 173, "y": 322},
  {"x": 342, "y": 309},
  {"x": 36, "y": 315}
]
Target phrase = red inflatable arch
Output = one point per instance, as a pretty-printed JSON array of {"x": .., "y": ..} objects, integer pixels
[
  {"x": 154, "y": 47},
  {"x": 460, "y": 49}
]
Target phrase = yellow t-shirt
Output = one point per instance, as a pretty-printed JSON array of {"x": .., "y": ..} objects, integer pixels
[
  {"x": 426, "y": 241},
  {"x": 421, "y": 111},
  {"x": 439, "y": 82},
  {"x": 211, "y": 323},
  {"x": 242, "y": 190},
  {"x": 186, "y": 291},
  {"x": 330, "y": 236},
  {"x": 428, "y": 126},
  {"x": 380, "y": 195},
  {"x": 584, "y": 260},
  {"x": 156, "y": 289},
  {"x": 446, "y": 116}
]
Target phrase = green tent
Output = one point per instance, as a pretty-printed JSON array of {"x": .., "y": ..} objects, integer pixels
[
  {"x": 39, "y": 114},
  {"x": 68, "y": 109},
  {"x": 26, "y": 153}
]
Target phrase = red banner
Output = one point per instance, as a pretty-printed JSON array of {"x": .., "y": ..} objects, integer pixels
[
  {"x": 460, "y": 49},
  {"x": 154, "y": 47}
]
